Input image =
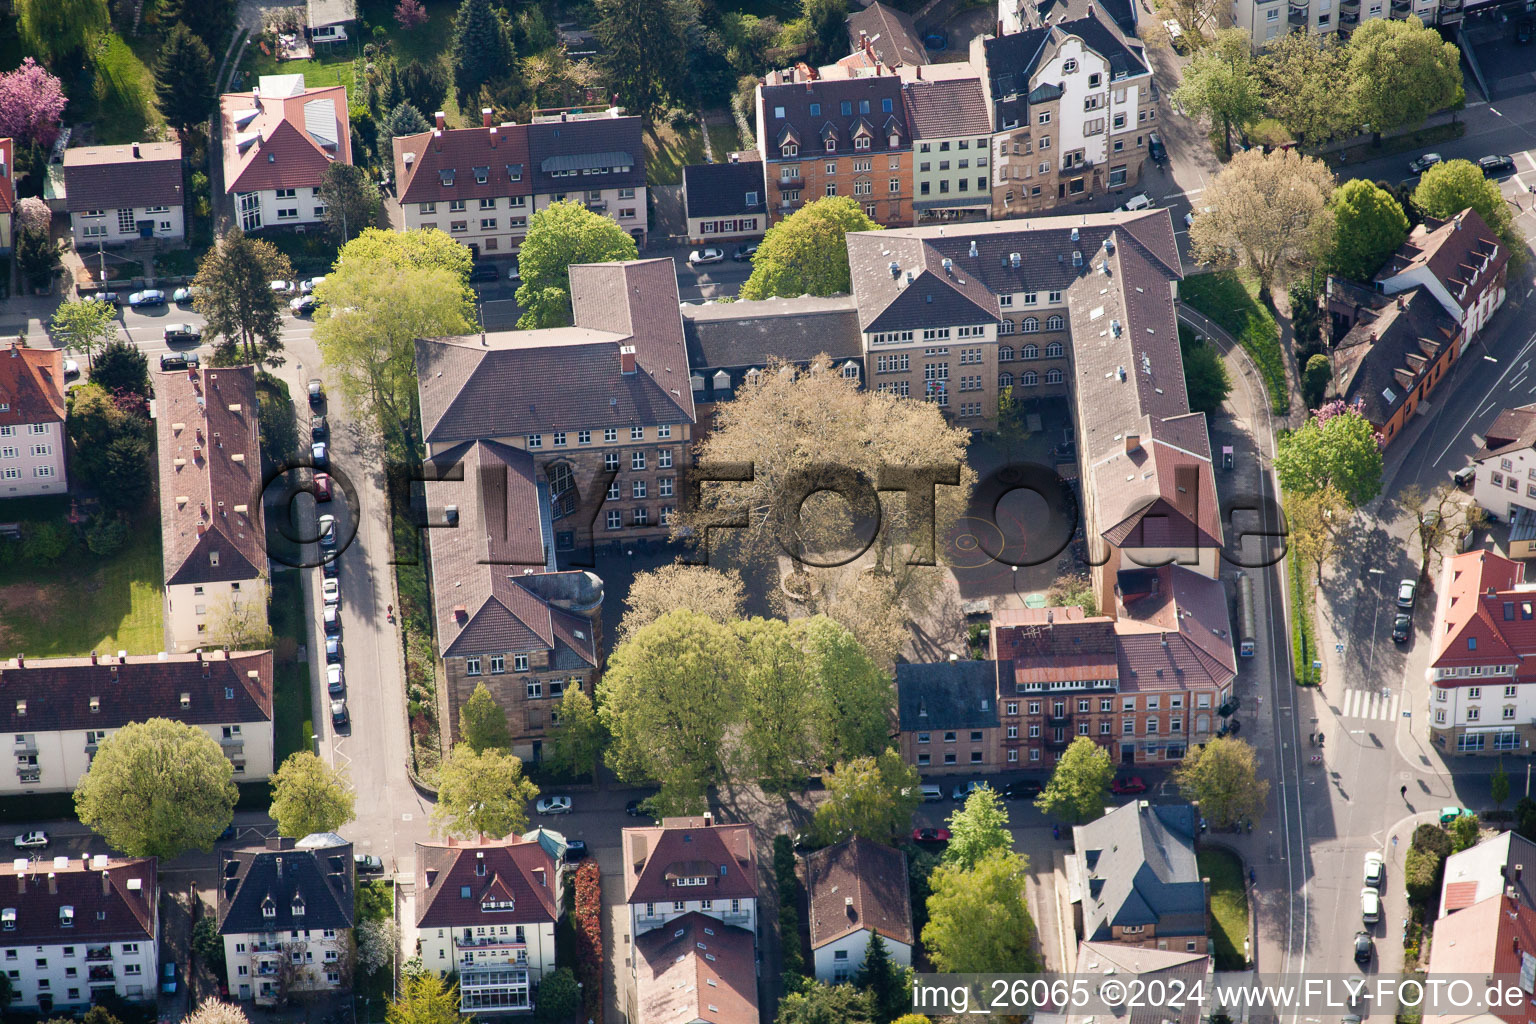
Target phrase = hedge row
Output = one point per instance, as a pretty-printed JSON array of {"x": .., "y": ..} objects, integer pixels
[
  {"x": 789, "y": 910},
  {"x": 589, "y": 939}
]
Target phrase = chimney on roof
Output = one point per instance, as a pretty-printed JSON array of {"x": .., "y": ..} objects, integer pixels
[
  {"x": 1133, "y": 442},
  {"x": 437, "y": 140},
  {"x": 485, "y": 116},
  {"x": 21, "y": 879},
  {"x": 460, "y": 613},
  {"x": 94, "y": 659},
  {"x": 627, "y": 360},
  {"x": 492, "y": 136},
  {"x": 136, "y": 151},
  {"x": 1164, "y": 639},
  {"x": 53, "y": 883},
  {"x": 1401, "y": 303},
  {"x": 106, "y": 883},
  {"x": 709, "y": 819},
  {"x": 441, "y": 119},
  {"x": 21, "y": 662}
]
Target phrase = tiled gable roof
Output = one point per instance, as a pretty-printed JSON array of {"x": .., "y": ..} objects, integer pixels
[
  {"x": 1136, "y": 866},
  {"x": 75, "y": 694},
  {"x": 655, "y": 857},
  {"x": 1012, "y": 60},
  {"x": 722, "y": 190},
  {"x": 1462, "y": 252},
  {"x": 453, "y": 155},
  {"x": 117, "y": 177},
  {"x": 284, "y": 886},
  {"x": 890, "y": 35},
  {"x": 605, "y": 141},
  {"x": 1485, "y": 614},
  {"x": 210, "y": 475},
  {"x": 809, "y": 107},
  {"x": 282, "y": 135},
  {"x": 508, "y": 869},
  {"x": 70, "y": 899},
  {"x": 873, "y": 876},
  {"x": 1387, "y": 354},
  {"x": 945, "y": 109},
  {"x": 1048, "y": 645},
  {"x": 948, "y": 694},
  {"x": 696, "y": 969},
  {"x": 1189, "y": 610},
  {"x": 31, "y": 385},
  {"x": 1512, "y": 430}
]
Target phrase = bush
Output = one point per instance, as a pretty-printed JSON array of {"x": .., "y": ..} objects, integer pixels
[
  {"x": 1421, "y": 874},
  {"x": 588, "y": 912},
  {"x": 107, "y": 535},
  {"x": 793, "y": 962},
  {"x": 44, "y": 542},
  {"x": 1432, "y": 837},
  {"x": 558, "y": 998},
  {"x": 1314, "y": 380},
  {"x": 207, "y": 943}
]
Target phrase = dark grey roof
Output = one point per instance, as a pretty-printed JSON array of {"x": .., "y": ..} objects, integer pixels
[
  {"x": 812, "y": 107},
  {"x": 1012, "y": 60},
  {"x": 1387, "y": 354},
  {"x": 949, "y": 694},
  {"x": 1034, "y": 13},
  {"x": 1136, "y": 866},
  {"x": 592, "y": 138},
  {"x": 1511, "y": 430},
  {"x": 734, "y": 338},
  {"x": 585, "y": 161},
  {"x": 891, "y": 34},
  {"x": 721, "y": 190},
  {"x": 281, "y": 878}
]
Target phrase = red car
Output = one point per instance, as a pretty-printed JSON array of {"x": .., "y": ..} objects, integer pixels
[
  {"x": 322, "y": 487},
  {"x": 1126, "y": 785},
  {"x": 930, "y": 835}
]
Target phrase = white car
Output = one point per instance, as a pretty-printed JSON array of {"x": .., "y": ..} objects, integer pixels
[
  {"x": 308, "y": 285},
  {"x": 1375, "y": 870},
  {"x": 333, "y": 683},
  {"x": 1370, "y": 905},
  {"x": 554, "y": 805},
  {"x": 699, "y": 257},
  {"x": 71, "y": 369},
  {"x": 31, "y": 840},
  {"x": 332, "y": 591},
  {"x": 514, "y": 273},
  {"x": 1189, "y": 218},
  {"x": 1141, "y": 201},
  {"x": 327, "y": 531},
  {"x": 282, "y": 287}
]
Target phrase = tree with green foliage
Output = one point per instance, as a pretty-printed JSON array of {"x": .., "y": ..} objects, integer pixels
[
  {"x": 1336, "y": 446},
  {"x": 978, "y": 917},
  {"x": 425, "y": 999},
  {"x": 38, "y": 257},
  {"x": 112, "y": 440},
  {"x": 871, "y": 797},
  {"x": 404, "y": 119},
  {"x": 120, "y": 366},
  {"x": 827, "y": 30},
  {"x": 107, "y": 534},
  {"x": 1206, "y": 379},
  {"x": 559, "y": 235},
  {"x": 1433, "y": 837},
  {"x": 158, "y": 788},
  {"x": 1498, "y": 785},
  {"x": 1315, "y": 379},
  {"x": 310, "y": 796},
  {"x": 644, "y": 52},
  {"x": 1223, "y": 778},
  {"x": 558, "y": 997},
  {"x": 1368, "y": 226},
  {"x": 1400, "y": 72},
  {"x": 209, "y": 20},
  {"x": 184, "y": 86},
  {"x": 1221, "y": 83},
  {"x": 577, "y": 740},
  {"x": 482, "y": 49},
  {"x": 277, "y": 427},
  {"x": 351, "y": 199},
  {"x": 806, "y": 253},
  {"x": 44, "y": 543},
  {"x": 885, "y": 983},
  {"x": 483, "y": 722},
  {"x": 1306, "y": 315},
  {"x": 482, "y": 793},
  {"x": 1525, "y": 817},
  {"x": 207, "y": 943},
  {"x": 714, "y": 593},
  {"x": 1301, "y": 77},
  {"x": 235, "y": 297},
  {"x": 423, "y": 86},
  {"x": 1079, "y": 783},
  {"x": 84, "y": 327},
  {"x": 853, "y": 698},
  {"x": 977, "y": 829},
  {"x": 1421, "y": 874},
  {"x": 777, "y": 694},
  {"x": 1465, "y": 832},
  {"x": 817, "y": 1002},
  {"x": 911, "y": 1018},
  {"x": 1450, "y": 187},
  {"x": 59, "y": 31}
]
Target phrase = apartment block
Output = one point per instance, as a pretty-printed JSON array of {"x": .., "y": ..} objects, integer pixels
[
  {"x": 278, "y": 140},
  {"x": 32, "y": 414}
]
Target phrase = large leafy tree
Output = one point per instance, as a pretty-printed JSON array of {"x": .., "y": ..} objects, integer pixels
[
  {"x": 84, "y": 327},
  {"x": 483, "y": 722},
  {"x": 1206, "y": 380},
  {"x": 1368, "y": 226},
  {"x": 424, "y": 999},
  {"x": 184, "y": 86},
  {"x": 978, "y": 918},
  {"x": 1314, "y": 519},
  {"x": 827, "y": 25},
  {"x": 31, "y": 103},
  {"x": 977, "y": 829},
  {"x": 806, "y": 253},
  {"x": 482, "y": 49},
  {"x": 402, "y": 120},
  {"x": 112, "y": 439},
  {"x": 1079, "y": 783},
  {"x": 1222, "y": 83},
  {"x": 235, "y": 296},
  {"x": 644, "y": 55},
  {"x": 210, "y": 20},
  {"x": 578, "y": 738},
  {"x": 1223, "y": 777},
  {"x": 310, "y": 796},
  {"x": 482, "y": 793},
  {"x": 778, "y": 695},
  {"x": 851, "y": 707},
  {"x": 1266, "y": 211},
  {"x": 60, "y": 30},
  {"x": 1337, "y": 446},
  {"x": 351, "y": 199},
  {"x": 423, "y": 86},
  {"x": 559, "y": 235},
  {"x": 158, "y": 789},
  {"x": 119, "y": 366},
  {"x": 1448, "y": 188},
  {"x": 1400, "y": 72},
  {"x": 816, "y": 1002},
  {"x": 873, "y": 797},
  {"x": 714, "y": 593},
  {"x": 1302, "y": 77}
]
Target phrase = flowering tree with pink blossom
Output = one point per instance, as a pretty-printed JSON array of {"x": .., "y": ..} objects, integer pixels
[
  {"x": 33, "y": 216},
  {"x": 1338, "y": 447},
  {"x": 31, "y": 104},
  {"x": 410, "y": 14}
]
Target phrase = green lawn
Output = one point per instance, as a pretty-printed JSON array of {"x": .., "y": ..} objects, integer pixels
[
  {"x": 668, "y": 151},
  {"x": 1303, "y": 614},
  {"x": 81, "y": 603},
  {"x": 1229, "y": 907},
  {"x": 331, "y": 65},
  {"x": 125, "y": 90},
  {"x": 1232, "y": 300},
  {"x": 291, "y": 702},
  {"x": 723, "y": 139}
]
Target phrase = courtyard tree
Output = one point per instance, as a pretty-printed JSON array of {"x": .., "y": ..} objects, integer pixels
[
  {"x": 714, "y": 593},
  {"x": 481, "y": 49},
  {"x": 1221, "y": 83},
  {"x": 806, "y": 253},
  {"x": 213, "y": 1011},
  {"x": 643, "y": 50},
  {"x": 578, "y": 738},
  {"x": 872, "y": 797},
  {"x": 977, "y": 828},
  {"x": 853, "y": 696},
  {"x": 351, "y": 199},
  {"x": 1400, "y": 72},
  {"x": 112, "y": 440},
  {"x": 886, "y": 983},
  {"x": 482, "y": 793},
  {"x": 120, "y": 366},
  {"x": 239, "y": 625},
  {"x": 1337, "y": 446},
  {"x": 84, "y": 327},
  {"x": 559, "y": 235},
  {"x": 401, "y": 120},
  {"x": 424, "y": 999},
  {"x": 816, "y": 1002},
  {"x": 1302, "y": 76},
  {"x": 1223, "y": 778},
  {"x": 483, "y": 722},
  {"x": 1368, "y": 226},
  {"x": 310, "y": 796},
  {"x": 1206, "y": 380},
  {"x": 184, "y": 86},
  {"x": 1498, "y": 785},
  {"x": 158, "y": 788},
  {"x": 1439, "y": 514},
  {"x": 1079, "y": 783},
  {"x": 777, "y": 694},
  {"x": 1315, "y": 379},
  {"x": 1265, "y": 211},
  {"x": 559, "y": 997},
  {"x": 234, "y": 294},
  {"x": 1193, "y": 16},
  {"x": 978, "y": 917}
]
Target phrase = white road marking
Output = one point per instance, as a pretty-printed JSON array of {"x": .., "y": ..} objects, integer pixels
[
  {"x": 1370, "y": 705},
  {"x": 1496, "y": 385}
]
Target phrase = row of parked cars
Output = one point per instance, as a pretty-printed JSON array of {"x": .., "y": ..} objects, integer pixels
[{"x": 1495, "y": 165}]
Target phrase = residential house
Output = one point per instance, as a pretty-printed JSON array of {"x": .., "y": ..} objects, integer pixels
[
  {"x": 1267, "y": 20},
  {"x": 213, "y": 540},
  {"x": 604, "y": 406},
  {"x": 888, "y": 35},
  {"x": 1165, "y": 969},
  {"x": 505, "y": 616},
  {"x": 1460, "y": 261},
  {"x": 592, "y": 157},
  {"x": 696, "y": 970},
  {"x": 329, "y": 20},
  {"x": 278, "y": 139},
  {"x": 1482, "y": 691},
  {"x": 1394, "y": 356},
  {"x": 1494, "y": 938},
  {"x": 32, "y": 411},
  {"x": 827, "y": 137},
  {"x": 855, "y": 890},
  {"x": 76, "y": 930},
  {"x": 1133, "y": 880},
  {"x": 1018, "y": 15},
  {"x": 726, "y": 202},
  {"x": 689, "y": 865},
  {"x": 285, "y": 913},
  {"x": 60, "y": 709},
  {"x": 1072, "y": 109},
  {"x": 1064, "y": 682},
  {"x": 486, "y": 909},
  {"x": 7, "y": 193},
  {"x": 947, "y": 714},
  {"x": 1505, "y": 481},
  {"x": 1493, "y": 867},
  {"x": 952, "y": 136},
  {"x": 120, "y": 194}
]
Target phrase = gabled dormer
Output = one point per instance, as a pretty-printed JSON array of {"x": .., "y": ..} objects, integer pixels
[
  {"x": 893, "y": 132},
  {"x": 863, "y": 134},
  {"x": 829, "y": 137},
  {"x": 789, "y": 142}
]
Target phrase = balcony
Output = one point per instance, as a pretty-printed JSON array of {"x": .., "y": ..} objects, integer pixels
[
  {"x": 98, "y": 952},
  {"x": 597, "y": 205},
  {"x": 268, "y": 970},
  {"x": 1299, "y": 14},
  {"x": 28, "y": 746},
  {"x": 266, "y": 946},
  {"x": 102, "y": 972},
  {"x": 29, "y": 774},
  {"x": 489, "y": 941}
]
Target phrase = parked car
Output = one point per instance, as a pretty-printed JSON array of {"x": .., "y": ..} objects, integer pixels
[
  {"x": 963, "y": 790},
  {"x": 930, "y": 835},
  {"x": 1363, "y": 948},
  {"x": 1370, "y": 906},
  {"x": 339, "y": 717},
  {"x": 1407, "y": 593},
  {"x": 185, "y": 294},
  {"x": 178, "y": 360},
  {"x": 1448, "y": 815},
  {"x": 320, "y": 453},
  {"x": 699, "y": 257},
  {"x": 575, "y": 850},
  {"x": 1155, "y": 148},
  {"x": 71, "y": 369},
  {"x": 318, "y": 428},
  {"x": 111, "y": 297},
  {"x": 744, "y": 252},
  {"x": 283, "y": 287},
  {"x": 635, "y": 810},
  {"x": 316, "y": 389},
  {"x": 1524, "y": 30},
  {"x": 1127, "y": 785},
  {"x": 322, "y": 487},
  {"x": 553, "y": 805},
  {"x": 168, "y": 979},
  {"x": 334, "y": 684},
  {"x": 330, "y": 568},
  {"x": 32, "y": 840},
  {"x": 1464, "y": 476},
  {"x": 1424, "y": 163},
  {"x": 331, "y": 618},
  {"x": 176, "y": 333},
  {"x": 308, "y": 285},
  {"x": 302, "y": 306},
  {"x": 147, "y": 297},
  {"x": 1025, "y": 789},
  {"x": 1375, "y": 869},
  {"x": 1231, "y": 727},
  {"x": 327, "y": 524},
  {"x": 367, "y": 864},
  {"x": 1141, "y": 201},
  {"x": 514, "y": 273},
  {"x": 1496, "y": 166},
  {"x": 333, "y": 650},
  {"x": 1402, "y": 627},
  {"x": 331, "y": 590},
  {"x": 485, "y": 272}
]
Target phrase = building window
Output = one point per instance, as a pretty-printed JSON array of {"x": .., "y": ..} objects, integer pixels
[
  {"x": 535, "y": 441},
  {"x": 611, "y": 461},
  {"x": 615, "y": 520},
  {"x": 498, "y": 664},
  {"x": 664, "y": 458},
  {"x": 472, "y": 666}
]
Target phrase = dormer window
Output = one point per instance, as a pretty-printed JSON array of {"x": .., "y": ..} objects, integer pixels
[
  {"x": 8, "y": 919},
  {"x": 446, "y": 177},
  {"x": 832, "y": 145},
  {"x": 268, "y": 908},
  {"x": 482, "y": 175},
  {"x": 490, "y": 905},
  {"x": 789, "y": 149},
  {"x": 862, "y": 142},
  {"x": 683, "y": 882},
  {"x": 298, "y": 906},
  {"x": 66, "y": 917}
]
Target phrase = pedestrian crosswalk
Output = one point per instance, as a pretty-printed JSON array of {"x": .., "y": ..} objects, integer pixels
[{"x": 1370, "y": 704}]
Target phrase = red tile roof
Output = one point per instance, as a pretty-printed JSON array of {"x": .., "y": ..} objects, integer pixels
[
  {"x": 1486, "y": 615},
  {"x": 1187, "y": 609},
  {"x": 502, "y": 150},
  {"x": 858, "y": 885},
  {"x": 489, "y": 869},
  {"x": 1491, "y": 937},
  {"x": 1050, "y": 645},
  {"x": 112, "y": 900},
  {"x": 7, "y": 171},
  {"x": 210, "y": 475},
  {"x": 696, "y": 969},
  {"x": 277, "y": 140},
  {"x": 32, "y": 385},
  {"x": 1458, "y": 895},
  {"x": 655, "y": 857}
]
